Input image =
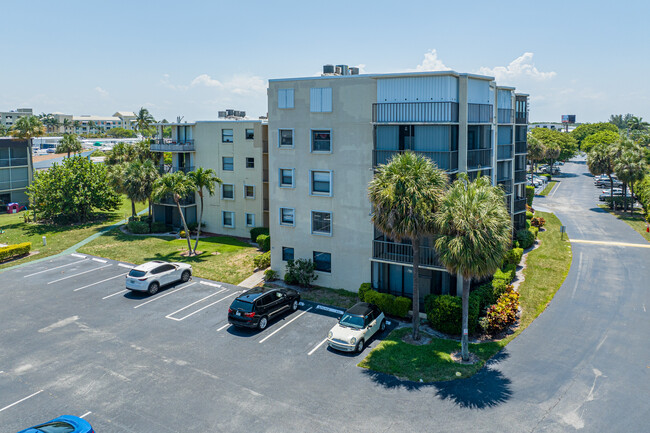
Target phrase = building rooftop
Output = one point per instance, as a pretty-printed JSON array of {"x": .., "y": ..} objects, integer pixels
[{"x": 389, "y": 75}]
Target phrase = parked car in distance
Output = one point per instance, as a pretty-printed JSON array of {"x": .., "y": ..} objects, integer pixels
[
  {"x": 62, "y": 424},
  {"x": 254, "y": 308},
  {"x": 151, "y": 276},
  {"x": 601, "y": 183},
  {"x": 357, "y": 325},
  {"x": 617, "y": 191},
  {"x": 605, "y": 195}
]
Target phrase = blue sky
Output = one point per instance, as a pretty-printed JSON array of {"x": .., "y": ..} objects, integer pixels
[{"x": 192, "y": 58}]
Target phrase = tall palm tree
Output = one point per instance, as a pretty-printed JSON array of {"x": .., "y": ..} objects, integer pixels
[
  {"x": 475, "y": 232},
  {"x": 637, "y": 124},
  {"x": 178, "y": 185},
  {"x": 148, "y": 176},
  {"x": 630, "y": 168},
  {"x": 203, "y": 178},
  {"x": 551, "y": 154},
  {"x": 600, "y": 160},
  {"x": 143, "y": 119},
  {"x": 67, "y": 125},
  {"x": 26, "y": 128},
  {"x": 404, "y": 195},
  {"x": 70, "y": 144},
  {"x": 76, "y": 125},
  {"x": 536, "y": 150},
  {"x": 91, "y": 125}
]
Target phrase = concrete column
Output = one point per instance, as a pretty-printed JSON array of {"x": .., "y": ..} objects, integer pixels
[{"x": 462, "y": 124}]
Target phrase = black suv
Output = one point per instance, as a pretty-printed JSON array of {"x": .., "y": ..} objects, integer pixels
[{"x": 254, "y": 308}]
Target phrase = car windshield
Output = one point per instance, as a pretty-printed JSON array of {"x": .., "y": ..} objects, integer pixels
[
  {"x": 237, "y": 304},
  {"x": 56, "y": 427},
  {"x": 136, "y": 273},
  {"x": 351, "y": 321}
]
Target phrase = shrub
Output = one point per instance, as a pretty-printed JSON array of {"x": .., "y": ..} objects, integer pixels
[
  {"x": 527, "y": 224},
  {"x": 513, "y": 256},
  {"x": 264, "y": 242},
  {"x": 499, "y": 287},
  {"x": 503, "y": 313},
  {"x": 530, "y": 194},
  {"x": 134, "y": 218},
  {"x": 529, "y": 215},
  {"x": 158, "y": 227},
  {"x": 11, "y": 251},
  {"x": 138, "y": 227},
  {"x": 501, "y": 275},
  {"x": 362, "y": 291},
  {"x": 270, "y": 275},
  {"x": 510, "y": 270},
  {"x": 192, "y": 227},
  {"x": 256, "y": 231},
  {"x": 485, "y": 296},
  {"x": 537, "y": 222},
  {"x": 445, "y": 313},
  {"x": 300, "y": 271},
  {"x": 401, "y": 306},
  {"x": 526, "y": 238},
  {"x": 398, "y": 306},
  {"x": 182, "y": 234},
  {"x": 262, "y": 261},
  {"x": 534, "y": 231}
]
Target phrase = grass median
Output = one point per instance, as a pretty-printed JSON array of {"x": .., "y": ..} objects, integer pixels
[
  {"x": 546, "y": 268},
  {"x": 548, "y": 188}
]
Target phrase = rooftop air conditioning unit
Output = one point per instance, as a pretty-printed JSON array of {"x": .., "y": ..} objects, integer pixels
[
  {"x": 344, "y": 69},
  {"x": 354, "y": 71},
  {"x": 328, "y": 69}
]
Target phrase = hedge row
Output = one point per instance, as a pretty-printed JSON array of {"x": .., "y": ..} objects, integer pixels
[
  {"x": 397, "y": 306},
  {"x": 262, "y": 261},
  {"x": 11, "y": 251},
  {"x": 445, "y": 312},
  {"x": 264, "y": 242},
  {"x": 256, "y": 231}
]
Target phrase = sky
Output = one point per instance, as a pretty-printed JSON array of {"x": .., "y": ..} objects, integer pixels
[{"x": 193, "y": 58}]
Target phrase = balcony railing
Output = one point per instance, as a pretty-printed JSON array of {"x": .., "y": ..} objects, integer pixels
[
  {"x": 186, "y": 201},
  {"x": 505, "y": 115},
  {"x": 426, "y": 112},
  {"x": 444, "y": 160},
  {"x": 521, "y": 117},
  {"x": 520, "y": 205},
  {"x": 521, "y": 147},
  {"x": 403, "y": 253},
  {"x": 479, "y": 158},
  {"x": 520, "y": 176},
  {"x": 169, "y": 169},
  {"x": 13, "y": 162},
  {"x": 504, "y": 151},
  {"x": 172, "y": 145},
  {"x": 479, "y": 113},
  {"x": 506, "y": 184}
]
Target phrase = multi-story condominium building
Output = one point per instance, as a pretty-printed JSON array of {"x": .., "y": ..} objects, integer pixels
[
  {"x": 8, "y": 118},
  {"x": 15, "y": 171},
  {"x": 121, "y": 119},
  {"x": 237, "y": 149},
  {"x": 327, "y": 135}
]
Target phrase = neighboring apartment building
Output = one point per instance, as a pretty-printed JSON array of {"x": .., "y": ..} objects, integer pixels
[
  {"x": 121, "y": 119},
  {"x": 237, "y": 149},
  {"x": 15, "y": 171},
  {"x": 8, "y": 118},
  {"x": 328, "y": 133}
]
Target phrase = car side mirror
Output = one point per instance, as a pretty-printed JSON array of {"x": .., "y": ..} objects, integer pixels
[{"x": 339, "y": 318}]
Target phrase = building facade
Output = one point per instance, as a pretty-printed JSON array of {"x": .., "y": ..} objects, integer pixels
[
  {"x": 8, "y": 118},
  {"x": 15, "y": 171},
  {"x": 327, "y": 135},
  {"x": 87, "y": 124},
  {"x": 238, "y": 152}
]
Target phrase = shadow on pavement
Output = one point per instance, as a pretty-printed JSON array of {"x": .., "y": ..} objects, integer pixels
[
  {"x": 564, "y": 175},
  {"x": 598, "y": 209}
]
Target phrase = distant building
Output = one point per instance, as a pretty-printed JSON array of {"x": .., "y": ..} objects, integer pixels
[
  {"x": 15, "y": 171},
  {"x": 8, "y": 118},
  {"x": 555, "y": 126},
  {"x": 121, "y": 119}
]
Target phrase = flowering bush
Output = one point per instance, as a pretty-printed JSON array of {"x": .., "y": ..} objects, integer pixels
[
  {"x": 537, "y": 222},
  {"x": 502, "y": 314}
]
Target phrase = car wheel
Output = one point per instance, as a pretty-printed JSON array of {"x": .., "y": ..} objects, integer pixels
[
  {"x": 294, "y": 305},
  {"x": 263, "y": 322},
  {"x": 360, "y": 346},
  {"x": 382, "y": 327},
  {"x": 153, "y": 288},
  {"x": 185, "y": 276}
]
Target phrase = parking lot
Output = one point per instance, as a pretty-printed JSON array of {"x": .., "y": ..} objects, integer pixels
[{"x": 75, "y": 341}]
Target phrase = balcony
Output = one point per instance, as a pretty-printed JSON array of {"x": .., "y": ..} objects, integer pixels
[
  {"x": 172, "y": 145},
  {"x": 403, "y": 253},
  {"x": 444, "y": 160},
  {"x": 414, "y": 112},
  {"x": 506, "y": 185},
  {"x": 520, "y": 205},
  {"x": 504, "y": 151},
  {"x": 13, "y": 162},
  {"x": 505, "y": 115},
  {"x": 521, "y": 147},
  {"x": 479, "y": 113},
  {"x": 520, "y": 176},
  {"x": 187, "y": 201},
  {"x": 169, "y": 169},
  {"x": 521, "y": 117},
  {"x": 479, "y": 158}
]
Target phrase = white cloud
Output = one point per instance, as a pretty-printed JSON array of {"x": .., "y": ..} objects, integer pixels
[
  {"x": 164, "y": 81},
  {"x": 245, "y": 84},
  {"x": 205, "y": 80},
  {"x": 103, "y": 93},
  {"x": 431, "y": 62},
  {"x": 521, "y": 67}
]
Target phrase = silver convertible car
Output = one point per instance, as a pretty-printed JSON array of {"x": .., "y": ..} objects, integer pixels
[
  {"x": 151, "y": 276},
  {"x": 357, "y": 325}
]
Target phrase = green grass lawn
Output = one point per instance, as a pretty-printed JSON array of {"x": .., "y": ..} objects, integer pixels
[
  {"x": 546, "y": 268},
  {"x": 634, "y": 220},
  {"x": 548, "y": 188},
  {"x": 336, "y": 297},
  {"x": 223, "y": 259},
  {"x": 59, "y": 237}
]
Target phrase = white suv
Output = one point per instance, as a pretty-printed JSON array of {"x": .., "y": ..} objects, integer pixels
[{"x": 150, "y": 276}]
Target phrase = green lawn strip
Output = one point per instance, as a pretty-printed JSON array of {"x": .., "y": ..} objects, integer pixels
[
  {"x": 223, "y": 258},
  {"x": 634, "y": 220},
  {"x": 335, "y": 297},
  {"x": 548, "y": 188},
  {"x": 59, "y": 237},
  {"x": 546, "y": 268}
]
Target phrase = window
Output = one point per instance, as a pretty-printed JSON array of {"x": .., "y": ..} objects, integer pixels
[
  {"x": 287, "y": 216},
  {"x": 228, "y": 219},
  {"x": 286, "y": 178},
  {"x": 249, "y": 191},
  {"x": 322, "y": 261},
  {"x": 285, "y": 98},
  {"x": 287, "y": 253},
  {"x": 250, "y": 220},
  {"x": 321, "y": 140},
  {"x": 227, "y": 163},
  {"x": 250, "y": 162},
  {"x": 321, "y": 183},
  {"x": 227, "y": 191},
  {"x": 250, "y": 134},
  {"x": 286, "y": 138},
  {"x": 320, "y": 100},
  {"x": 321, "y": 223},
  {"x": 226, "y": 135}
]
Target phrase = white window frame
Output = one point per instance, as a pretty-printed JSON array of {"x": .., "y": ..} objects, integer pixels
[
  {"x": 222, "y": 163},
  {"x": 285, "y": 98},
  {"x": 311, "y": 222},
  {"x": 320, "y": 100},
  {"x": 246, "y": 219},
  {"x": 293, "y": 178},
  {"x": 311, "y": 140},
  {"x": 245, "y": 196},
  {"x": 223, "y": 214},
  {"x": 293, "y": 138},
  {"x": 311, "y": 185},
  {"x": 294, "y": 217},
  {"x": 233, "y": 191}
]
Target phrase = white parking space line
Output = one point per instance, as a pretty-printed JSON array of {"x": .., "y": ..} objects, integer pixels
[
  {"x": 316, "y": 348},
  {"x": 85, "y": 415},
  {"x": 99, "y": 260},
  {"x": 557, "y": 186},
  {"x": 21, "y": 400},
  {"x": 98, "y": 282},
  {"x": 116, "y": 293},
  {"x": 51, "y": 269},
  {"x": 80, "y": 273},
  {"x": 196, "y": 302},
  {"x": 163, "y": 295},
  {"x": 205, "y": 283},
  {"x": 220, "y": 329},
  {"x": 280, "y": 328},
  {"x": 331, "y": 310},
  {"x": 125, "y": 266},
  {"x": 78, "y": 255},
  {"x": 200, "y": 309}
]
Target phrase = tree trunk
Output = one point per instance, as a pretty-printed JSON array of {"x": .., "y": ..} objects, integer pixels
[
  {"x": 416, "y": 288},
  {"x": 632, "y": 200},
  {"x": 133, "y": 208},
  {"x": 198, "y": 227},
  {"x": 187, "y": 232},
  {"x": 464, "y": 344},
  {"x": 624, "y": 197},
  {"x": 611, "y": 190}
]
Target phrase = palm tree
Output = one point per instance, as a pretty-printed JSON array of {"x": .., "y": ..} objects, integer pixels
[
  {"x": 637, "y": 124},
  {"x": 630, "y": 168},
  {"x": 203, "y": 178},
  {"x": 551, "y": 154},
  {"x": 404, "y": 195},
  {"x": 26, "y": 128},
  {"x": 178, "y": 185},
  {"x": 70, "y": 144},
  {"x": 67, "y": 125},
  {"x": 76, "y": 125},
  {"x": 91, "y": 125},
  {"x": 600, "y": 160},
  {"x": 536, "y": 150},
  {"x": 148, "y": 176},
  {"x": 143, "y": 119},
  {"x": 475, "y": 232}
]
